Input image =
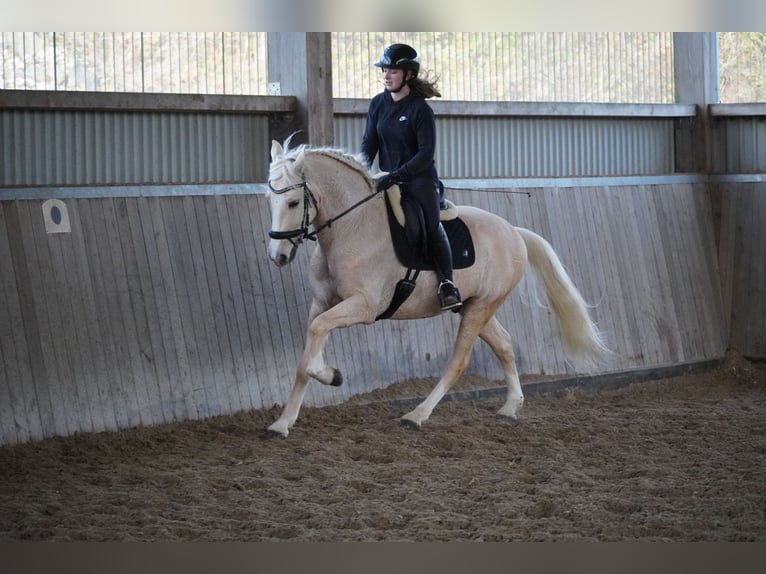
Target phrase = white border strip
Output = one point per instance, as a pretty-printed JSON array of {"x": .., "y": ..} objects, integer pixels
[
  {"x": 98, "y": 192},
  {"x": 107, "y": 191}
]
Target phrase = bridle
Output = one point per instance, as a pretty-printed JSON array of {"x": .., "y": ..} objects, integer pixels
[{"x": 308, "y": 200}]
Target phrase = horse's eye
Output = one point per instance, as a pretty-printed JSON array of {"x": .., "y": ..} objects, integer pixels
[{"x": 293, "y": 204}]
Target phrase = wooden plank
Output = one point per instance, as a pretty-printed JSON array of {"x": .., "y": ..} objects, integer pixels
[
  {"x": 594, "y": 285},
  {"x": 214, "y": 269},
  {"x": 661, "y": 341},
  {"x": 740, "y": 272},
  {"x": 233, "y": 305},
  {"x": 670, "y": 224},
  {"x": 748, "y": 322},
  {"x": 269, "y": 285},
  {"x": 687, "y": 286},
  {"x": 173, "y": 331},
  {"x": 703, "y": 232},
  {"x": 13, "y": 428},
  {"x": 136, "y": 316},
  {"x": 269, "y": 354},
  {"x": 119, "y": 313},
  {"x": 757, "y": 294},
  {"x": 238, "y": 264},
  {"x": 168, "y": 320},
  {"x": 211, "y": 387},
  {"x": 614, "y": 295},
  {"x": 64, "y": 273},
  {"x": 694, "y": 269},
  {"x": 108, "y": 380},
  {"x": 27, "y": 338},
  {"x": 665, "y": 315},
  {"x": 88, "y": 338},
  {"x": 635, "y": 254},
  {"x": 46, "y": 318},
  {"x": 153, "y": 349},
  {"x": 726, "y": 256},
  {"x": 13, "y": 417},
  {"x": 179, "y": 276},
  {"x": 564, "y": 239},
  {"x": 549, "y": 343},
  {"x": 260, "y": 364}
]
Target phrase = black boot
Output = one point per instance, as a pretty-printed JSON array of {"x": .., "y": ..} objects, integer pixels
[{"x": 449, "y": 296}]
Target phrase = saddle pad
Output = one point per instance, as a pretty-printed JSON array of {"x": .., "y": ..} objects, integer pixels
[{"x": 409, "y": 245}]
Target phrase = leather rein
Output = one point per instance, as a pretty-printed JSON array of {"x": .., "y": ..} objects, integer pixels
[{"x": 309, "y": 199}]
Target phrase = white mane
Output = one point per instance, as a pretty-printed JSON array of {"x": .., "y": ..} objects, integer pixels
[{"x": 287, "y": 162}]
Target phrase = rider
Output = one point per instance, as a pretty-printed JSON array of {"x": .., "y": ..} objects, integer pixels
[{"x": 402, "y": 130}]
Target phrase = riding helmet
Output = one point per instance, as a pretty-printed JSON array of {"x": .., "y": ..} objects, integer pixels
[{"x": 400, "y": 57}]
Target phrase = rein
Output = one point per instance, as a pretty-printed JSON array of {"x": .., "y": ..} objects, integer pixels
[{"x": 309, "y": 199}]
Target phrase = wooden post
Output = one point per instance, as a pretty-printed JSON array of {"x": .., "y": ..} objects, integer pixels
[
  {"x": 695, "y": 65},
  {"x": 300, "y": 65}
]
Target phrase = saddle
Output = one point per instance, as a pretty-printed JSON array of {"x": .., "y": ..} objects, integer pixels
[{"x": 406, "y": 222}]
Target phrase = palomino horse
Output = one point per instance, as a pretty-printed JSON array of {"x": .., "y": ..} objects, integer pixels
[{"x": 354, "y": 271}]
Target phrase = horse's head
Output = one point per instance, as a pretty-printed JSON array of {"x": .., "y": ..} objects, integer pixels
[{"x": 293, "y": 206}]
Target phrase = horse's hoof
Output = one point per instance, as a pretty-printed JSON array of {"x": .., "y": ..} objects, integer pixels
[
  {"x": 507, "y": 419},
  {"x": 270, "y": 434},
  {"x": 409, "y": 424},
  {"x": 337, "y": 378}
]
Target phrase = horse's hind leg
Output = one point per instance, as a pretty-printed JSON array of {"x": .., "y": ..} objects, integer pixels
[
  {"x": 500, "y": 342},
  {"x": 471, "y": 325}
]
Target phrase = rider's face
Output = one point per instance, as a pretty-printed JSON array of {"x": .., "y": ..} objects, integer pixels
[{"x": 393, "y": 79}]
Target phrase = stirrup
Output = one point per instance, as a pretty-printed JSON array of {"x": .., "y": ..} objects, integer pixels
[{"x": 451, "y": 299}]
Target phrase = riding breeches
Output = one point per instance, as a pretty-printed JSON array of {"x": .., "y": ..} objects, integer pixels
[{"x": 428, "y": 195}]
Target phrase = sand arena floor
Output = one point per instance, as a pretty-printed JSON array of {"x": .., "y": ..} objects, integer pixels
[{"x": 678, "y": 459}]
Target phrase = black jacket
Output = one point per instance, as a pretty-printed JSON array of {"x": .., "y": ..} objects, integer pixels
[{"x": 403, "y": 135}]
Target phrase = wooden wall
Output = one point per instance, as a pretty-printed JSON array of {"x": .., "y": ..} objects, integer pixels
[
  {"x": 742, "y": 253},
  {"x": 158, "y": 309}
]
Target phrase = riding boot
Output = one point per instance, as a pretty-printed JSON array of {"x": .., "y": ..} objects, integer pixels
[{"x": 441, "y": 252}]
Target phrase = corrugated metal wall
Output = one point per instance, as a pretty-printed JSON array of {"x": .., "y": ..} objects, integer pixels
[
  {"x": 739, "y": 145},
  {"x": 54, "y": 148},
  {"x": 487, "y": 147}
]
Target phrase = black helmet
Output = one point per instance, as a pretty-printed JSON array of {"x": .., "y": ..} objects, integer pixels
[{"x": 401, "y": 57}]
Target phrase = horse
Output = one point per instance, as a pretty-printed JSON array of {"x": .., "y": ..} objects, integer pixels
[{"x": 330, "y": 195}]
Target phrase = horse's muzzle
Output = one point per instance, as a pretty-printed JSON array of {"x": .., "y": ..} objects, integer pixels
[{"x": 280, "y": 257}]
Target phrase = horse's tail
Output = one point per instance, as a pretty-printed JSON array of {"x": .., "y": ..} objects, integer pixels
[{"x": 582, "y": 337}]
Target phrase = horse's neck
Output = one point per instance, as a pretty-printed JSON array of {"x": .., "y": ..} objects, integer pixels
[{"x": 365, "y": 223}]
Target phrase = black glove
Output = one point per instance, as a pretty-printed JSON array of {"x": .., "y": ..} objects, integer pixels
[{"x": 387, "y": 181}]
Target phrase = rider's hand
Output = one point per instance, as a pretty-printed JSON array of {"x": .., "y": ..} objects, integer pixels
[{"x": 387, "y": 181}]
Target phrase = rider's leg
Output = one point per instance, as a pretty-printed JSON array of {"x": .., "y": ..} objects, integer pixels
[{"x": 439, "y": 248}]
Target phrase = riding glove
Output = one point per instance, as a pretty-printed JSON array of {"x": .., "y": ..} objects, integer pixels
[{"x": 388, "y": 180}]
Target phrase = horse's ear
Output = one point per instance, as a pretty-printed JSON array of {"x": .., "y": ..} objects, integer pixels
[
  {"x": 299, "y": 157},
  {"x": 276, "y": 149}
]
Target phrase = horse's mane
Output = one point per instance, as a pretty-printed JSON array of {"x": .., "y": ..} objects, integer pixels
[{"x": 286, "y": 163}]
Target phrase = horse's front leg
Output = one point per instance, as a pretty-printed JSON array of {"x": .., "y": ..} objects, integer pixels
[{"x": 348, "y": 312}]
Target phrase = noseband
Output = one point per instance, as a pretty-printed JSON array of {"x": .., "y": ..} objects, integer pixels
[{"x": 308, "y": 200}]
